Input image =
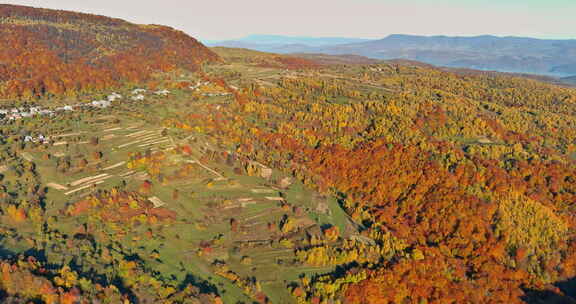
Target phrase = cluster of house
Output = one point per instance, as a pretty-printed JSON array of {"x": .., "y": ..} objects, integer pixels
[
  {"x": 198, "y": 85},
  {"x": 138, "y": 94},
  {"x": 33, "y": 138},
  {"x": 215, "y": 94},
  {"x": 23, "y": 112},
  {"x": 105, "y": 103},
  {"x": 18, "y": 113},
  {"x": 101, "y": 103},
  {"x": 40, "y": 138}
]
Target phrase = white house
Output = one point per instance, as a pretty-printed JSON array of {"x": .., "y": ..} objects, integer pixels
[
  {"x": 114, "y": 96},
  {"x": 138, "y": 91},
  {"x": 101, "y": 103},
  {"x": 162, "y": 92},
  {"x": 45, "y": 112},
  {"x": 138, "y": 97}
]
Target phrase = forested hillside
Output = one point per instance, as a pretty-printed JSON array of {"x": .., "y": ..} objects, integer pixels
[
  {"x": 265, "y": 178},
  {"x": 48, "y": 52},
  {"x": 463, "y": 185}
]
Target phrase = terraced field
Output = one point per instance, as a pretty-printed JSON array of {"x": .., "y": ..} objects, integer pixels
[{"x": 209, "y": 209}]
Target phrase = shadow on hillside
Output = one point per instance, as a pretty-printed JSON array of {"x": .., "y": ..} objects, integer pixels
[
  {"x": 5, "y": 253},
  {"x": 203, "y": 286},
  {"x": 568, "y": 287}
]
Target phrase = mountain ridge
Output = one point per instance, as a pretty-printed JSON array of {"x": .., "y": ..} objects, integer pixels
[
  {"x": 552, "y": 57},
  {"x": 285, "y": 40}
]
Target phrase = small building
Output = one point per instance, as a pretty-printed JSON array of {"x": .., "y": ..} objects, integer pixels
[
  {"x": 114, "y": 96},
  {"x": 162, "y": 92},
  {"x": 138, "y": 91},
  {"x": 260, "y": 169},
  {"x": 45, "y": 112},
  {"x": 101, "y": 103},
  {"x": 138, "y": 97},
  {"x": 156, "y": 202}
]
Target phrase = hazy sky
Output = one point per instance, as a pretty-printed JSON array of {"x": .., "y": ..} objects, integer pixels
[{"x": 227, "y": 19}]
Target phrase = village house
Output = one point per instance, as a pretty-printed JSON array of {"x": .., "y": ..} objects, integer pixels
[
  {"x": 65, "y": 108},
  {"x": 45, "y": 112},
  {"x": 162, "y": 92},
  {"x": 41, "y": 138},
  {"x": 114, "y": 96},
  {"x": 138, "y": 91},
  {"x": 101, "y": 103},
  {"x": 138, "y": 97}
]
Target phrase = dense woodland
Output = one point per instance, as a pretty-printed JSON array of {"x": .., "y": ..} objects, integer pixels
[
  {"x": 454, "y": 187},
  {"x": 466, "y": 182},
  {"x": 65, "y": 53}
]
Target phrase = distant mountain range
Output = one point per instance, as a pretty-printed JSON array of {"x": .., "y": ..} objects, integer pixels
[
  {"x": 505, "y": 54},
  {"x": 275, "y": 40},
  {"x": 569, "y": 80},
  {"x": 284, "y": 44}
]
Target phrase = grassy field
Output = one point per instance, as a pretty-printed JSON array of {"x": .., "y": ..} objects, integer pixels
[{"x": 91, "y": 153}]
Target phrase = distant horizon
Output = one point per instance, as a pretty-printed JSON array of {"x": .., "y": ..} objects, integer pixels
[
  {"x": 384, "y": 36},
  {"x": 365, "y": 19}
]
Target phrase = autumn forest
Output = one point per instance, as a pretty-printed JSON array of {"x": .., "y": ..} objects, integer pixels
[{"x": 139, "y": 166}]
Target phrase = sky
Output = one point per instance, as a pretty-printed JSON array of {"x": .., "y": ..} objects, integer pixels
[{"x": 232, "y": 19}]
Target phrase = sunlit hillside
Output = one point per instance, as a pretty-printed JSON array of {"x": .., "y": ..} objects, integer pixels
[
  {"x": 141, "y": 167},
  {"x": 57, "y": 52}
]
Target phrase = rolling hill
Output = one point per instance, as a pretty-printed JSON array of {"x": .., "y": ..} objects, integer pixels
[
  {"x": 228, "y": 175},
  {"x": 60, "y": 52},
  {"x": 263, "y": 59}
]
